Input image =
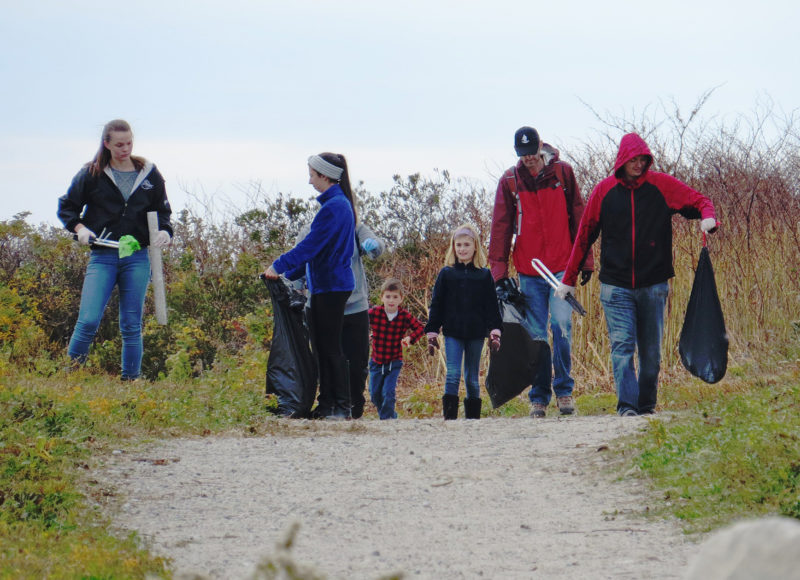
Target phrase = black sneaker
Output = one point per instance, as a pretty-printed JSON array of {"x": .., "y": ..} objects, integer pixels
[{"x": 628, "y": 413}]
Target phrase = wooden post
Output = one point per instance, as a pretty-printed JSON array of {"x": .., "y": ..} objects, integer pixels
[{"x": 157, "y": 270}]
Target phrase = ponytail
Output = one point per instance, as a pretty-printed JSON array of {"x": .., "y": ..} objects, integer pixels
[{"x": 338, "y": 160}]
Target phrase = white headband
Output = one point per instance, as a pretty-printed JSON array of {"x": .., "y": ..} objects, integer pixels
[{"x": 329, "y": 170}]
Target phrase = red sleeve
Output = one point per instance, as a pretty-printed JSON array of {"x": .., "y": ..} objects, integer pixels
[
  {"x": 576, "y": 208},
  {"x": 681, "y": 197},
  {"x": 417, "y": 330},
  {"x": 505, "y": 209},
  {"x": 588, "y": 231}
]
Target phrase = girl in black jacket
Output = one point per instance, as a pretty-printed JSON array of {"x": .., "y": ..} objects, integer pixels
[
  {"x": 464, "y": 307},
  {"x": 112, "y": 195}
]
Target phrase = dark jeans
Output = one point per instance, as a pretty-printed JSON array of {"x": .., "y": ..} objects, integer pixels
[
  {"x": 355, "y": 344},
  {"x": 327, "y": 318},
  {"x": 541, "y": 304},
  {"x": 382, "y": 386},
  {"x": 468, "y": 351},
  {"x": 635, "y": 321}
]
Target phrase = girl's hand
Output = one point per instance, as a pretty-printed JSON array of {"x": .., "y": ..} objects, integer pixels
[
  {"x": 494, "y": 340},
  {"x": 162, "y": 239},
  {"x": 370, "y": 244},
  {"x": 85, "y": 235},
  {"x": 433, "y": 343},
  {"x": 406, "y": 341},
  {"x": 271, "y": 274}
]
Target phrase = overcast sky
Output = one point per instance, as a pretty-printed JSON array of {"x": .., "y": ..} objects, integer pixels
[{"x": 222, "y": 94}]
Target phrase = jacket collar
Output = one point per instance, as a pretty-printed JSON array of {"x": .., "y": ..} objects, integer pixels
[
  {"x": 459, "y": 266},
  {"x": 332, "y": 191},
  {"x": 145, "y": 171},
  {"x": 633, "y": 184}
]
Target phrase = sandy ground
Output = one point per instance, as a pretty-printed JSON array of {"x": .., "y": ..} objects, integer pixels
[{"x": 495, "y": 498}]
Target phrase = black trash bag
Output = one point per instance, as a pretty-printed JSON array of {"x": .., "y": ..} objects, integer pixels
[
  {"x": 703, "y": 344},
  {"x": 512, "y": 368},
  {"x": 291, "y": 367}
]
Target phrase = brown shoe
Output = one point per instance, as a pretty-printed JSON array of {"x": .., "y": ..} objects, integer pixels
[
  {"x": 566, "y": 405},
  {"x": 538, "y": 410}
]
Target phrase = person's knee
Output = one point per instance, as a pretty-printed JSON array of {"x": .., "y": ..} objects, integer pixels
[
  {"x": 562, "y": 327},
  {"x": 130, "y": 330},
  {"x": 87, "y": 327}
]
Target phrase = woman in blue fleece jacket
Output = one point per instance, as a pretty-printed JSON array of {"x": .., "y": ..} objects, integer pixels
[{"x": 327, "y": 250}]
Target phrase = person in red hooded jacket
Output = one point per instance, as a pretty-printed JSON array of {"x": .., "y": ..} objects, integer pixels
[
  {"x": 538, "y": 206},
  {"x": 633, "y": 209}
]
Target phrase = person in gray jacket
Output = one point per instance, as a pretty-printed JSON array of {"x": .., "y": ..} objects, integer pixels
[{"x": 355, "y": 330}]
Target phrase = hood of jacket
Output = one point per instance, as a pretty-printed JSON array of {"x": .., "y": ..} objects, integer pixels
[
  {"x": 550, "y": 155},
  {"x": 631, "y": 146}
]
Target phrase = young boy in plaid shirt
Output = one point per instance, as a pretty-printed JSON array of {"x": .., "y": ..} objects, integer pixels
[{"x": 389, "y": 324}]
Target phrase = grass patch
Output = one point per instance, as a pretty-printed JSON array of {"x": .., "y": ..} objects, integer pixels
[
  {"x": 734, "y": 455},
  {"x": 54, "y": 430}
]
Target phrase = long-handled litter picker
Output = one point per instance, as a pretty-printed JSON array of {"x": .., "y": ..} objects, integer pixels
[{"x": 551, "y": 279}]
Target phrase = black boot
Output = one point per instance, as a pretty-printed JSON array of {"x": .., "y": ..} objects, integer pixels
[
  {"x": 472, "y": 408},
  {"x": 450, "y": 407},
  {"x": 341, "y": 391}
]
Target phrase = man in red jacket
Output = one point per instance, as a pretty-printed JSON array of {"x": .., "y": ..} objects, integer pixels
[
  {"x": 633, "y": 209},
  {"x": 539, "y": 202}
]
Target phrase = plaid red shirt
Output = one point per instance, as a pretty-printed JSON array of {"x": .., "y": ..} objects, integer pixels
[{"x": 387, "y": 334}]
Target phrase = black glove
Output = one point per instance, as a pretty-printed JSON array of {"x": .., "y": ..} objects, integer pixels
[
  {"x": 433, "y": 345},
  {"x": 586, "y": 275},
  {"x": 507, "y": 290}
]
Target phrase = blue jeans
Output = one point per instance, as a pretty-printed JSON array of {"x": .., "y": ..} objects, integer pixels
[
  {"x": 106, "y": 270},
  {"x": 469, "y": 350},
  {"x": 541, "y": 304},
  {"x": 635, "y": 321},
  {"x": 382, "y": 383}
]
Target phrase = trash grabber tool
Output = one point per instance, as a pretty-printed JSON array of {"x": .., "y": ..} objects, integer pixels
[
  {"x": 157, "y": 270},
  {"x": 101, "y": 240},
  {"x": 551, "y": 279}
]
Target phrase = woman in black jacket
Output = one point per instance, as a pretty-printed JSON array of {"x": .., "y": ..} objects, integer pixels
[
  {"x": 464, "y": 307},
  {"x": 112, "y": 195}
]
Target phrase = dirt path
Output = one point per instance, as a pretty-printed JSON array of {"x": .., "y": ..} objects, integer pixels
[{"x": 495, "y": 498}]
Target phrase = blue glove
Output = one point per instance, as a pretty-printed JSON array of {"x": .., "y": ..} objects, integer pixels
[{"x": 370, "y": 244}]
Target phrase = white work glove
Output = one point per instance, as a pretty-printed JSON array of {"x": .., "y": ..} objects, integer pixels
[
  {"x": 85, "y": 236},
  {"x": 162, "y": 239},
  {"x": 563, "y": 290},
  {"x": 708, "y": 225}
]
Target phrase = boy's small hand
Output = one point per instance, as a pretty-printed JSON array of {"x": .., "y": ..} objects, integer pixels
[{"x": 406, "y": 341}]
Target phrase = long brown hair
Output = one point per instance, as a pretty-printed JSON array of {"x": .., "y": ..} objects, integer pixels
[
  {"x": 338, "y": 160},
  {"x": 103, "y": 156}
]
